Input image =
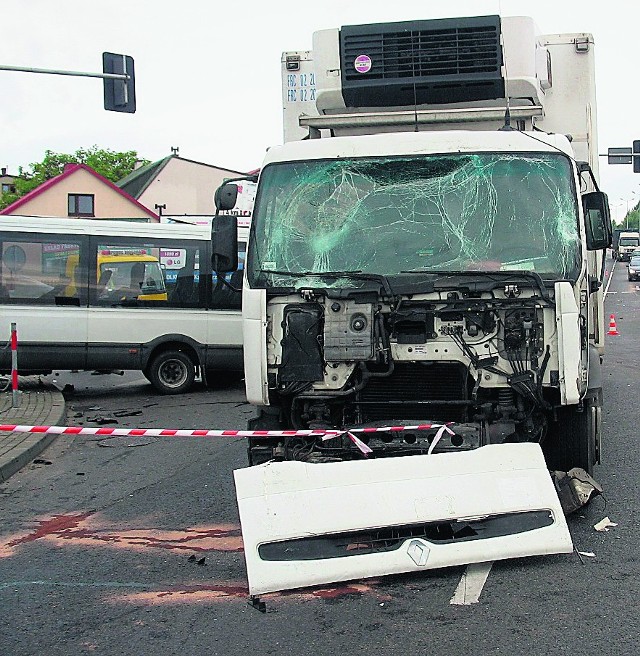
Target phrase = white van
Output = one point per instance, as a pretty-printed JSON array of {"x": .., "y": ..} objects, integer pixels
[{"x": 107, "y": 295}]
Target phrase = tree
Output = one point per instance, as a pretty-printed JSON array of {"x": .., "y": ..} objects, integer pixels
[
  {"x": 631, "y": 221},
  {"x": 110, "y": 164}
]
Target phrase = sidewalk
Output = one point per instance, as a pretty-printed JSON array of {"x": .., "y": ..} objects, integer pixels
[{"x": 40, "y": 405}]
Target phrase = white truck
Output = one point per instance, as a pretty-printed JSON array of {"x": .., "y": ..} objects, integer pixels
[
  {"x": 426, "y": 250},
  {"x": 628, "y": 242}
]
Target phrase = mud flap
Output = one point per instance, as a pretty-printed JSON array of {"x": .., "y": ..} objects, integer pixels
[{"x": 310, "y": 524}]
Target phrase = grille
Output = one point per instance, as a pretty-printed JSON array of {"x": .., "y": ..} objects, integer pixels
[
  {"x": 449, "y": 60},
  {"x": 403, "y": 394}
]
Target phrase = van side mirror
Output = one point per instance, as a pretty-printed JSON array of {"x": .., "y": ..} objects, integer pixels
[
  {"x": 597, "y": 217},
  {"x": 224, "y": 243},
  {"x": 226, "y": 196}
]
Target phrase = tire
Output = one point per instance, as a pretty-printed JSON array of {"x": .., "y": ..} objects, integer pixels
[
  {"x": 572, "y": 440},
  {"x": 171, "y": 372}
]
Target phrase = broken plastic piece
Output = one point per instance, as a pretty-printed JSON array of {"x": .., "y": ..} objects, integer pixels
[
  {"x": 575, "y": 488},
  {"x": 99, "y": 419},
  {"x": 604, "y": 524},
  {"x": 307, "y": 524}
]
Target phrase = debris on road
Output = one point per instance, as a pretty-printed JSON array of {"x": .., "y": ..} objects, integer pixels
[
  {"x": 604, "y": 524},
  {"x": 575, "y": 488},
  {"x": 127, "y": 413},
  {"x": 198, "y": 561},
  {"x": 99, "y": 419}
]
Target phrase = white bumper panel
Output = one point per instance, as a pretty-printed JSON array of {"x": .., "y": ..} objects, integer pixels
[{"x": 286, "y": 508}]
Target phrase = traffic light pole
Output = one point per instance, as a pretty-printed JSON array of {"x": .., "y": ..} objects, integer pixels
[
  {"x": 24, "y": 69},
  {"x": 118, "y": 80}
]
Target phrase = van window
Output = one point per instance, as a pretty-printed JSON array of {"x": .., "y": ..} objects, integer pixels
[
  {"x": 137, "y": 272},
  {"x": 41, "y": 271}
]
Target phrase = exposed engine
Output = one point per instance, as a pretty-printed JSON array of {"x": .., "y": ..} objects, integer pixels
[{"x": 473, "y": 361}]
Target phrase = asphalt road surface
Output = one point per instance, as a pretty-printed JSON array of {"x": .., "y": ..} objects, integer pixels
[{"x": 132, "y": 546}]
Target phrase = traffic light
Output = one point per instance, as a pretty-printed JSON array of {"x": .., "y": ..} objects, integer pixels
[
  {"x": 119, "y": 94},
  {"x": 636, "y": 156}
]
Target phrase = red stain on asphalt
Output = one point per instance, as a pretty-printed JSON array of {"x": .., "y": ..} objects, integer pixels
[
  {"x": 58, "y": 525},
  {"x": 74, "y": 529},
  {"x": 220, "y": 592},
  {"x": 82, "y": 529},
  {"x": 203, "y": 539},
  {"x": 341, "y": 591}
]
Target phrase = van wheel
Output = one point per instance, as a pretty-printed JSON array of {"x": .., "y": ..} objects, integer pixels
[{"x": 171, "y": 372}]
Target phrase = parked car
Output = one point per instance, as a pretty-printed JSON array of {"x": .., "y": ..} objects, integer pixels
[{"x": 633, "y": 273}]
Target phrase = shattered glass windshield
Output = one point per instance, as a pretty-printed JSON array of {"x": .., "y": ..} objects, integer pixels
[{"x": 386, "y": 216}]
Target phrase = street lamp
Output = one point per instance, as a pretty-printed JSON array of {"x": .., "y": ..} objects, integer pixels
[
  {"x": 629, "y": 200},
  {"x": 619, "y": 205}
]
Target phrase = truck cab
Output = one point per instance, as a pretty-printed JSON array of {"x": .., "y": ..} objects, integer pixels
[
  {"x": 423, "y": 278},
  {"x": 427, "y": 246}
]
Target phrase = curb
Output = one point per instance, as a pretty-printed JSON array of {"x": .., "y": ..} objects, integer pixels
[{"x": 19, "y": 450}]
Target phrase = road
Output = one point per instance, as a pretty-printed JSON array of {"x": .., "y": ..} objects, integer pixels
[{"x": 101, "y": 551}]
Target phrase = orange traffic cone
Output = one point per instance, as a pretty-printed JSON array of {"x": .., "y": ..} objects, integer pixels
[{"x": 612, "y": 326}]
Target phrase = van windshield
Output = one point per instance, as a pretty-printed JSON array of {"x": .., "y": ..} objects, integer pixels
[{"x": 454, "y": 212}]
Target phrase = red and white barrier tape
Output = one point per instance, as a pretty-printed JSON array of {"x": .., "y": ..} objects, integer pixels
[{"x": 165, "y": 432}]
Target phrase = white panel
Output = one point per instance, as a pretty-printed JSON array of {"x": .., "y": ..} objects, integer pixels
[
  {"x": 569, "y": 341},
  {"x": 289, "y": 500},
  {"x": 326, "y": 54},
  {"x": 45, "y": 324},
  {"x": 570, "y": 104},
  {"x": 254, "y": 336},
  {"x": 298, "y": 94}
]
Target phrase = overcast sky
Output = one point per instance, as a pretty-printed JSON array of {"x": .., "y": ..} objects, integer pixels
[{"x": 208, "y": 74}]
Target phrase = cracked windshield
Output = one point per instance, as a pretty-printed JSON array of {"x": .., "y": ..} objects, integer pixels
[{"x": 467, "y": 212}]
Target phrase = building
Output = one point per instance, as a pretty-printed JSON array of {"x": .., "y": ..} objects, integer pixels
[
  {"x": 79, "y": 191},
  {"x": 7, "y": 182},
  {"x": 177, "y": 186}
]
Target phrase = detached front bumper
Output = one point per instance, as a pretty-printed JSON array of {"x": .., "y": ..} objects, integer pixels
[{"x": 309, "y": 524}]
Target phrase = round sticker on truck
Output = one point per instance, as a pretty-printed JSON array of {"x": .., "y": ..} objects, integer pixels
[{"x": 362, "y": 63}]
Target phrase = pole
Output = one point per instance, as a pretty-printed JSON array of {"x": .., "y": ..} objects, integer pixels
[
  {"x": 15, "y": 396},
  {"x": 48, "y": 71}
]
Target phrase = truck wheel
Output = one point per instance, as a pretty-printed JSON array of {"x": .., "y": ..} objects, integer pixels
[
  {"x": 572, "y": 439},
  {"x": 171, "y": 372}
]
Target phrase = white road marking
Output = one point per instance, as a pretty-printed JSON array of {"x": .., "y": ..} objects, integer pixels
[
  {"x": 606, "y": 290},
  {"x": 471, "y": 584}
]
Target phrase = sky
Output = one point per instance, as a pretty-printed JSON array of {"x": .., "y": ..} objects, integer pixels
[{"x": 208, "y": 74}]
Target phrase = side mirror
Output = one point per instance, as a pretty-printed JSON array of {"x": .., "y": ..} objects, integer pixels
[
  {"x": 224, "y": 243},
  {"x": 597, "y": 219},
  {"x": 226, "y": 196}
]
